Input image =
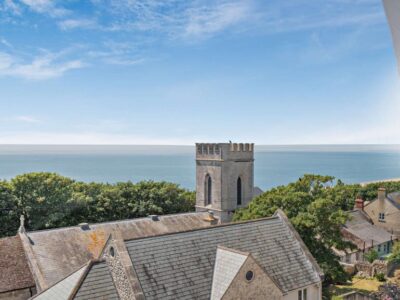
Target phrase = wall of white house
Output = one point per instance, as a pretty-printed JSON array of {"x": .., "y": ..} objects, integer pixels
[{"x": 314, "y": 292}]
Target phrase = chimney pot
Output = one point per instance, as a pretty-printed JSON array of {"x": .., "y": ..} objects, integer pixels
[{"x": 359, "y": 204}]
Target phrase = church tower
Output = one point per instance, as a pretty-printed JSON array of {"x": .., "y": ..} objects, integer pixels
[{"x": 224, "y": 177}]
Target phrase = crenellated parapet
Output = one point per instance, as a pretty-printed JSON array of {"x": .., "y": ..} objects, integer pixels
[
  {"x": 241, "y": 147},
  {"x": 224, "y": 151}
]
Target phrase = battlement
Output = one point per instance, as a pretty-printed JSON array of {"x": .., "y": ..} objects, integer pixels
[{"x": 223, "y": 150}]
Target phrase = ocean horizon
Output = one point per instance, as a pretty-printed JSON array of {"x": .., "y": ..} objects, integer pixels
[{"x": 274, "y": 164}]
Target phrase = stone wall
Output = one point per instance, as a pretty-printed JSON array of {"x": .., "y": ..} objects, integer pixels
[
  {"x": 370, "y": 270},
  {"x": 356, "y": 296}
]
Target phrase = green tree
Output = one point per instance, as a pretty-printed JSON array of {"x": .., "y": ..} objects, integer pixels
[
  {"x": 9, "y": 211},
  {"x": 44, "y": 198},
  {"x": 395, "y": 256},
  {"x": 371, "y": 255}
]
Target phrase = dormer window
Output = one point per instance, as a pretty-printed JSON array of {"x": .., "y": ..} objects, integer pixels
[{"x": 381, "y": 217}]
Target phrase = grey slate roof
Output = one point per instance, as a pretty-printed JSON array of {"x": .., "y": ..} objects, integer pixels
[
  {"x": 97, "y": 284},
  {"x": 59, "y": 252},
  {"x": 363, "y": 230},
  {"x": 180, "y": 265}
]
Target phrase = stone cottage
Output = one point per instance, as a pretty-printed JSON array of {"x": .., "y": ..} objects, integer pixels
[
  {"x": 366, "y": 236},
  {"x": 384, "y": 211}
]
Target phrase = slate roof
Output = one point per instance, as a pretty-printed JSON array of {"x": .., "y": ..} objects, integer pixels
[
  {"x": 14, "y": 270},
  {"x": 59, "y": 252},
  {"x": 63, "y": 289},
  {"x": 362, "y": 230},
  {"x": 180, "y": 265},
  {"x": 97, "y": 284}
]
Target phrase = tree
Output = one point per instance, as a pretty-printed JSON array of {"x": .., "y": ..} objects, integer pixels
[
  {"x": 395, "y": 256},
  {"x": 44, "y": 199},
  {"x": 48, "y": 200},
  {"x": 371, "y": 255},
  {"x": 9, "y": 211}
]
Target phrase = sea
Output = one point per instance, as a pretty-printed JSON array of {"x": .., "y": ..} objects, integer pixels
[{"x": 274, "y": 165}]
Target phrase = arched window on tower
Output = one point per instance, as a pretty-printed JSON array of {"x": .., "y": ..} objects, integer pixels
[
  {"x": 239, "y": 191},
  {"x": 208, "y": 190}
]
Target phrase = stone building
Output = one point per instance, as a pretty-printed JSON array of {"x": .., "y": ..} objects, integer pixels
[
  {"x": 385, "y": 211},
  {"x": 361, "y": 231},
  {"x": 182, "y": 256},
  {"x": 224, "y": 177}
]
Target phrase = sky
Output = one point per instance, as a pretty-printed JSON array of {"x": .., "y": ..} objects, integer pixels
[{"x": 180, "y": 72}]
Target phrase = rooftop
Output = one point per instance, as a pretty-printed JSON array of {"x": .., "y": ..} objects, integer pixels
[{"x": 181, "y": 265}]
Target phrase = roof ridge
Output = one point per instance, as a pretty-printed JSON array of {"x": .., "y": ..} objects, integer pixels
[
  {"x": 115, "y": 221},
  {"x": 204, "y": 228}
]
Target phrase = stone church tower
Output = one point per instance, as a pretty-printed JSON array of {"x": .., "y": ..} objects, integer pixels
[{"x": 224, "y": 177}]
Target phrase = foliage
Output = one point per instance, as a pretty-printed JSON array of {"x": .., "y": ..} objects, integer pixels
[
  {"x": 395, "y": 256},
  {"x": 371, "y": 255},
  {"x": 48, "y": 200},
  {"x": 8, "y": 209},
  {"x": 380, "y": 277}
]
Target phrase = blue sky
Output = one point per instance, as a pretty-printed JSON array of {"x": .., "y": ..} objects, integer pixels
[{"x": 177, "y": 72}]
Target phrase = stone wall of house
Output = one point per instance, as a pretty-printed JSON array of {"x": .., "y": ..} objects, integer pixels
[
  {"x": 118, "y": 273},
  {"x": 260, "y": 287}
]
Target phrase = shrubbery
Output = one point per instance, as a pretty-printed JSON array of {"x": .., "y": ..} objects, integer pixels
[{"x": 48, "y": 200}]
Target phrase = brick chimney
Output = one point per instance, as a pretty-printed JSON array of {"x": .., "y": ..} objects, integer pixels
[
  {"x": 381, "y": 194},
  {"x": 359, "y": 204}
]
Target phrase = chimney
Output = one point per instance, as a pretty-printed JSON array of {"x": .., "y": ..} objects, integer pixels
[
  {"x": 381, "y": 194},
  {"x": 211, "y": 218},
  {"x": 359, "y": 204}
]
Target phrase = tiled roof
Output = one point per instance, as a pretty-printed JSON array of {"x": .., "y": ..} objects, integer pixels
[
  {"x": 14, "y": 270},
  {"x": 97, "y": 284},
  {"x": 180, "y": 265},
  {"x": 59, "y": 252}
]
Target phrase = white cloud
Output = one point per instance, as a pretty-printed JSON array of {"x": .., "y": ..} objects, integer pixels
[
  {"x": 43, "y": 66},
  {"x": 45, "y": 7},
  {"x": 10, "y": 5},
  {"x": 69, "y": 24},
  {"x": 208, "y": 20}
]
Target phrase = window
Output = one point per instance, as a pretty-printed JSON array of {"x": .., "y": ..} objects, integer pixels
[
  {"x": 208, "y": 190},
  {"x": 379, "y": 248},
  {"x": 384, "y": 248},
  {"x": 388, "y": 247},
  {"x": 381, "y": 217},
  {"x": 249, "y": 275},
  {"x": 302, "y": 294},
  {"x": 239, "y": 191}
]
